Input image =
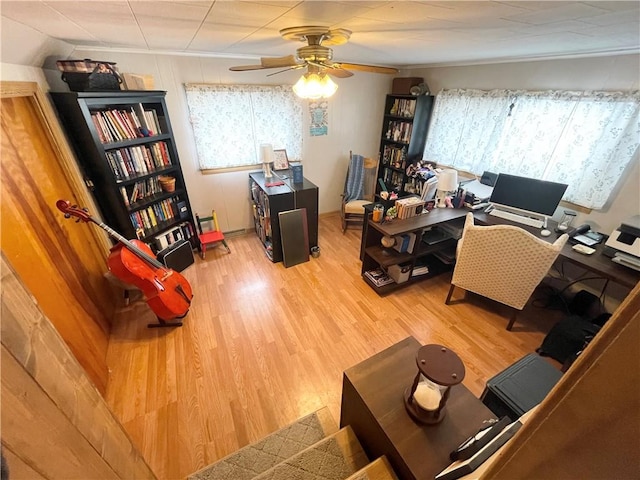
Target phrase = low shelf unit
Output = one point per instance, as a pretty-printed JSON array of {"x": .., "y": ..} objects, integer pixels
[
  {"x": 424, "y": 260},
  {"x": 268, "y": 200}
]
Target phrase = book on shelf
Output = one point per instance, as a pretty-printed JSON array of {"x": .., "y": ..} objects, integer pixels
[
  {"x": 419, "y": 270},
  {"x": 125, "y": 198},
  {"x": 405, "y": 242},
  {"x": 378, "y": 277}
]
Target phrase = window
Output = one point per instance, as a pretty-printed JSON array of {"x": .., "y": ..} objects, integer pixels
[
  {"x": 583, "y": 139},
  {"x": 231, "y": 121}
]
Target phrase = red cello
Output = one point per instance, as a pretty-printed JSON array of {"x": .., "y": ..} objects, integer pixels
[{"x": 167, "y": 292}]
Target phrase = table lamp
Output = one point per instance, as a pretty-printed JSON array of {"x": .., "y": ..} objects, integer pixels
[
  {"x": 447, "y": 182},
  {"x": 439, "y": 368},
  {"x": 266, "y": 157}
]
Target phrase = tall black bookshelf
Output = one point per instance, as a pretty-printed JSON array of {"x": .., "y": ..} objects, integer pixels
[
  {"x": 402, "y": 141},
  {"x": 124, "y": 145}
]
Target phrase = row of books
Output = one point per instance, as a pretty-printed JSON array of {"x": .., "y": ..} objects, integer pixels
[
  {"x": 399, "y": 131},
  {"x": 405, "y": 243},
  {"x": 138, "y": 160},
  {"x": 378, "y": 277},
  {"x": 116, "y": 125},
  {"x": 393, "y": 179},
  {"x": 184, "y": 231},
  {"x": 140, "y": 190},
  {"x": 150, "y": 217},
  {"x": 403, "y": 107},
  {"x": 394, "y": 156},
  {"x": 409, "y": 207}
]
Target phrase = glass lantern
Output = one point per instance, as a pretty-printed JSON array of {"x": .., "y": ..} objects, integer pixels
[
  {"x": 439, "y": 368},
  {"x": 565, "y": 221}
]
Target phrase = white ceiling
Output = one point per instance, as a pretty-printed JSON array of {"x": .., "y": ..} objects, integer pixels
[{"x": 394, "y": 33}]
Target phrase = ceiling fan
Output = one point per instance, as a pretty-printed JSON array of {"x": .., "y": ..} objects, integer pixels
[{"x": 316, "y": 56}]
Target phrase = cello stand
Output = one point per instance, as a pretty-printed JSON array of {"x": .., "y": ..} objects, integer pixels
[{"x": 161, "y": 323}]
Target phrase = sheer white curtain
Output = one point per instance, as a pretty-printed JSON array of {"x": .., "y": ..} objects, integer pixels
[
  {"x": 583, "y": 139},
  {"x": 231, "y": 121}
]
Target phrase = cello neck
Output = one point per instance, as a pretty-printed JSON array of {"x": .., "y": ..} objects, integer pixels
[
  {"x": 128, "y": 244},
  {"x": 83, "y": 215}
]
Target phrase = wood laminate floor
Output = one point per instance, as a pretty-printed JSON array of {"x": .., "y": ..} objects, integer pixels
[{"x": 264, "y": 345}]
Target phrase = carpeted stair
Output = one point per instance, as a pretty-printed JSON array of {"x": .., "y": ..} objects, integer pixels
[{"x": 310, "y": 449}]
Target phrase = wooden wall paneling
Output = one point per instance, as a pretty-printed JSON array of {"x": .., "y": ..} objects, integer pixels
[
  {"x": 53, "y": 418},
  {"x": 588, "y": 427},
  {"x": 61, "y": 263},
  {"x": 19, "y": 469}
]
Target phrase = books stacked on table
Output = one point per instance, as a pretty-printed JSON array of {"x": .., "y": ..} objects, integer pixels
[
  {"x": 409, "y": 207},
  {"x": 378, "y": 277}
]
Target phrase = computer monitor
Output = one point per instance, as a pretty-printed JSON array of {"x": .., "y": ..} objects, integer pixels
[{"x": 529, "y": 194}]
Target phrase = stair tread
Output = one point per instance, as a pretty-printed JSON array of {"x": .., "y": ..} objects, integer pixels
[
  {"x": 379, "y": 469},
  {"x": 258, "y": 457},
  {"x": 335, "y": 457}
]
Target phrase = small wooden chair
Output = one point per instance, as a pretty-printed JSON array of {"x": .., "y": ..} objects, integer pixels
[{"x": 210, "y": 236}]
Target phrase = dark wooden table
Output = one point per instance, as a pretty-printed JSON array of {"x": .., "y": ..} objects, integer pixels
[{"x": 372, "y": 403}]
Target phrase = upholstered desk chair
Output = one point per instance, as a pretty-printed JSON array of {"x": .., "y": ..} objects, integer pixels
[
  {"x": 502, "y": 262},
  {"x": 359, "y": 189}
]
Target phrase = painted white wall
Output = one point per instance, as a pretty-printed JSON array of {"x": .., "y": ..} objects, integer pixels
[{"x": 612, "y": 73}]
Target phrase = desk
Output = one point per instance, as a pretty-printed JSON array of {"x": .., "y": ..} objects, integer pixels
[
  {"x": 372, "y": 254},
  {"x": 597, "y": 263},
  {"x": 372, "y": 404}
]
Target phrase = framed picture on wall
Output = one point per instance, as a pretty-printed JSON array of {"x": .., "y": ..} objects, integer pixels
[{"x": 280, "y": 160}]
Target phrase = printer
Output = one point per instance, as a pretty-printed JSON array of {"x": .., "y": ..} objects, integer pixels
[{"x": 623, "y": 245}]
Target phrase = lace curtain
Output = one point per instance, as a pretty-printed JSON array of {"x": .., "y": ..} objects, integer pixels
[
  {"x": 583, "y": 139},
  {"x": 231, "y": 121}
]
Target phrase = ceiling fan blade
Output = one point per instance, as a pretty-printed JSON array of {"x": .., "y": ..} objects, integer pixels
[
  {"x": 297, "y": 67},
  {"x": 244, "y": 68},
  {"x": 279, "y": 62},
  {"x": 339, "y": 72},
  {"x": 366, "y": 68}
]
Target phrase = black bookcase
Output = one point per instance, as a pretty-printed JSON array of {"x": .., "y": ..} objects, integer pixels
[
  {"x": 124, "y": 146},
  {"x": 404, "y": 134},
  {"x": 268, "y": 201}
]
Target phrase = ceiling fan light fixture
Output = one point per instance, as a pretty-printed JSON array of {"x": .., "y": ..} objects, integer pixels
[{"x": 314, "y": 86}]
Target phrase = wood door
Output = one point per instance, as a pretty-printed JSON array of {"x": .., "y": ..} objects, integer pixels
[{"x": 62, "y": 263}]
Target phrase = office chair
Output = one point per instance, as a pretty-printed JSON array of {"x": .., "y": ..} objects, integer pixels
[
  {"x": 502, "y": 262},
  {"x": 359, "y": 189},
  {"x": 212, "y": 235}
]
